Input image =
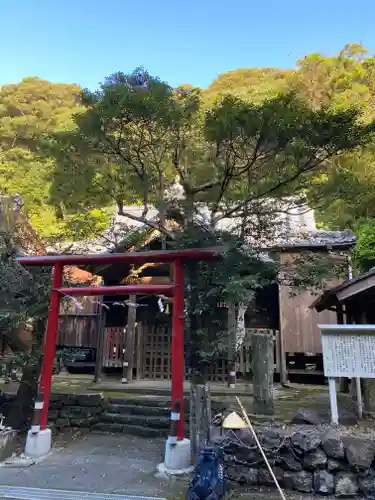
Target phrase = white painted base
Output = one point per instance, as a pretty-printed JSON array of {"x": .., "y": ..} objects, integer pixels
[
  {"x": 38, "y": 444},
  {"x": 177, "y": 459}
]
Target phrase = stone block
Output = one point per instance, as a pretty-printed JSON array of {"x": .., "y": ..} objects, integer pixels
[
  {"x": 76, "y": 422},
  {"x": 315, "y": 460},
  {"x": 360, "y": 452},
  {"x": 53, "y": 414},
  {"x": 62, "y": 422},
  {"x": 302, "y": 481},
  {"x": 95, "y": 399},
  {"x": 242, "y": 475},
  {"x": 262, "y": 349},
  {"x": 273, "y": 438},
  {"x": 75, "y": 412},
  {"x": 323, "y": 482},
  {"x": 243, "y": 453},
  {"x": 366, "y": 482},
  {"x": 346, "y": 484},
  {"x": 85, "y": 423},
  {"x": 67, "y": 399},
  {"x": 55, "y": 405},
  {"x": 265, "y": 478},
  {"x": 306, "y": 441},
  {"x": 333, "y": 445},
  {"x": 289, "y": 461},
  {"x": 308, "y": 416},
  {"x": 288, "y": 481},
  {"x": 334, "y": 465},
  {"x": 369, "y": 395},
  {"x": 94, "y": 410}
]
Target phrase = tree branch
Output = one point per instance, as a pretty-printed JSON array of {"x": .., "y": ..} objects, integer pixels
[{"x": 147, "y": 222}]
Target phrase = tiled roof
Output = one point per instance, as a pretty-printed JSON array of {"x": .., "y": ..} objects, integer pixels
[{"x": 292, "y": 228}]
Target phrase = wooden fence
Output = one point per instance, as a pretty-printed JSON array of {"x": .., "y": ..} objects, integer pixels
[
  {"x": 152, "y": 347},
  {"x": 153, "y": 354}
]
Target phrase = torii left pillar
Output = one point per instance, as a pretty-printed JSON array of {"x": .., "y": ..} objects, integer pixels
[{"x": 39, "y": 442}]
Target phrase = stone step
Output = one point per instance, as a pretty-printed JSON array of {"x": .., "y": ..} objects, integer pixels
[
  {"x": 142, "y": 410},
  {"x": 139, "y": 410},
  {"x": 134, "y": 430},
  {"x": 140, "y": 400},
  {"x": 156, "y": 401},
  {"x": 155, "y": 422}
]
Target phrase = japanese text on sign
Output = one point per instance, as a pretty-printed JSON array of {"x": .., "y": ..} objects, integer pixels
[{"x": 349, "y": 353}]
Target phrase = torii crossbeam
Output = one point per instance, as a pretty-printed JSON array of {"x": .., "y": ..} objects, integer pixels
[{"x": 175, "y": 257}]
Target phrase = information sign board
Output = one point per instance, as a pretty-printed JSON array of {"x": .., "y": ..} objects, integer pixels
[{"x": 348, "y": 350}]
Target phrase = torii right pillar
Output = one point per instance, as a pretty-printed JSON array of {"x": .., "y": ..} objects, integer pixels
[{"x": 177, "y": 459}]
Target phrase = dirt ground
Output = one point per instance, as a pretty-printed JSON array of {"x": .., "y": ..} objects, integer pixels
[
  {"x": 125, "y": 464},
  {"x": 102, "y": 464},
  {"x": 112, "y": 464}
]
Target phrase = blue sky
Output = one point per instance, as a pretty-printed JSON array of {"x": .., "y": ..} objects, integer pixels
[{"x": 83, "y": 41}]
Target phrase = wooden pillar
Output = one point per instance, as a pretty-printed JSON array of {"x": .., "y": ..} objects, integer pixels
[
  {"x": 344, "y": 382},
  {"x": 369, "y": 383},
  {"x": 350, "y": 321},
  {"x": 127, "y": 374},
  {"x": 282, "y": 353},
  {"x": 102, "y": 313},
  {"x": 139, "y": 329}
]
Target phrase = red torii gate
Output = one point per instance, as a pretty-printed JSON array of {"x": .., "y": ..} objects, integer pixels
[{"x": 175, "y": 257}]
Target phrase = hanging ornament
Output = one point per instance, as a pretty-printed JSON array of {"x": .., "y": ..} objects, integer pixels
[
  {"x": 78, "y": 305},
  {"x": 160, "y": 304}
]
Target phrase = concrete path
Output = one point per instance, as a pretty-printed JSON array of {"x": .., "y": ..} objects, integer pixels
[{"x": 100, "y": 464}]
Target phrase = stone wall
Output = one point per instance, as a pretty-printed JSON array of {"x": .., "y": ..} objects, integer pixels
[
  {"x": 8, "y": 440},
  {"x": 75, "y": 410},
  {"x": 322, "y": 461}
]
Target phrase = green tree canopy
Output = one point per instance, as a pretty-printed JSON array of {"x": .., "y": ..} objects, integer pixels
[
  {"x": 138, "y": 134},
  {"x": 29, "y": 113}
]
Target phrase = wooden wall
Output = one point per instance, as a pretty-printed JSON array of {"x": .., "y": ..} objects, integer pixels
[
  {"x": 78, "y": 327},
  {"x": 298, "y": 323}
]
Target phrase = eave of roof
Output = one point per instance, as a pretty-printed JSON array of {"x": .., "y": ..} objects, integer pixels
[{"x": 339, "y": 293}]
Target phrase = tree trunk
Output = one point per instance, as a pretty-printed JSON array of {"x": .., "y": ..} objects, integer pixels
[
  {"x": 200, "y": 413},
  {"x": 232, "y": 334},
  {"x": 200, "y": 400},
  {"x": 241, "y": 331},
  {"x": 22, "y": 407}
]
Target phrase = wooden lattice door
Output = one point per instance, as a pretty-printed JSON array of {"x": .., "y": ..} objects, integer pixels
[{"x": 155, "y": 361}]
